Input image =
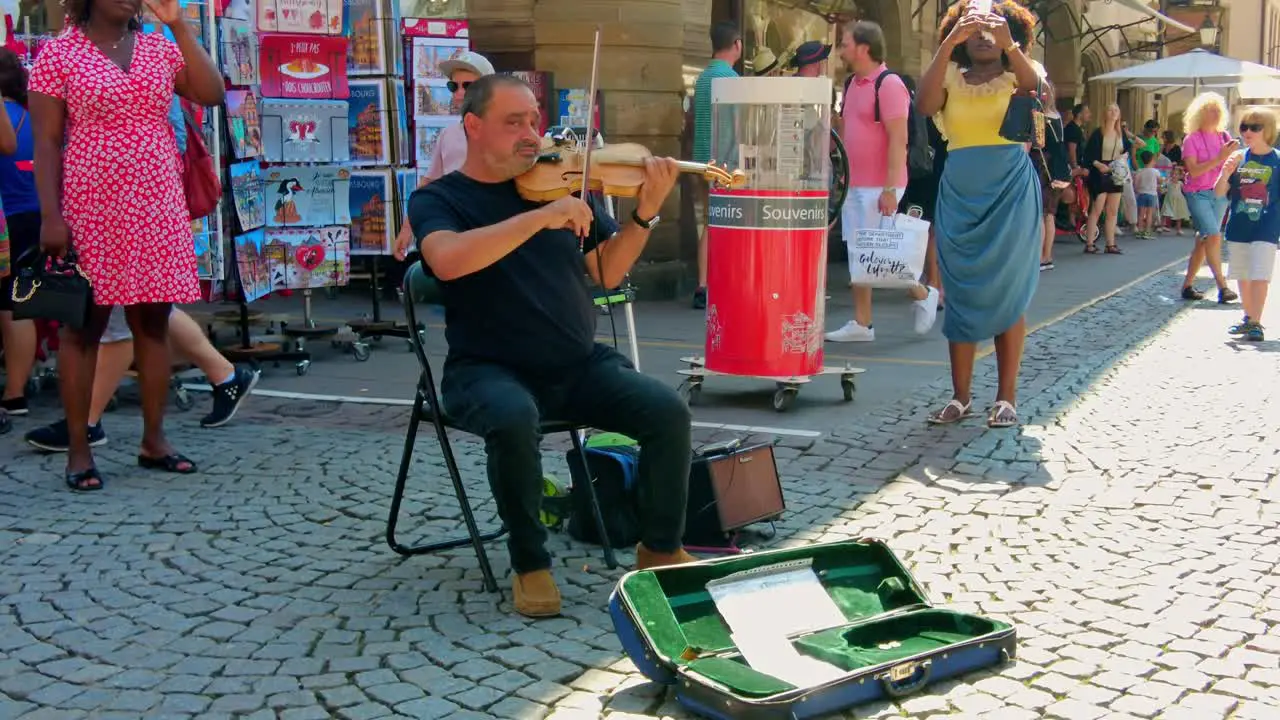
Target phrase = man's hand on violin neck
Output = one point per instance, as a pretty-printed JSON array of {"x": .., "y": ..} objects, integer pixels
[
  {"x": 660, "y": 176},
  {"x": 568, "y": 213}
]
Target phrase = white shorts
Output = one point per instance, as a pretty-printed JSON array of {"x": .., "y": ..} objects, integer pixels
[
  {"x": 1251, "y": 261},
  {"x": 118, "y": 327},
  {"x": 861, "y": 211}
]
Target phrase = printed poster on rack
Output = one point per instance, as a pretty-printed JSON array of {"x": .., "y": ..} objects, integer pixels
[
  {"x": 428, "y": 53},
  {"x": 244, "y": 123},
  {"x": 435, "y": 21},
  {"x": 303, "y": 67},
  {"x": 428, "y": 131},
  {"x": 239, "y": 55},
  {"x": 402, "y": 145},
  {"x": 366, "y": 25},
  {"x": 372, "y": 205},
  {"x": 368, "y": 123},
  {"x": 246, "y": 191},
  {"x": 303, "y": 258},
  {"x": 313, "y": 17},
  {"x": 206, "y": 233},
  {"x": 252, "y": 265},
  {"x": 308, "y": 195}
]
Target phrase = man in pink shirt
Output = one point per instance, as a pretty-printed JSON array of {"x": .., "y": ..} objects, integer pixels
[
  {"x": 451, "y": 146},
  {"x": 877, "y": 165}
]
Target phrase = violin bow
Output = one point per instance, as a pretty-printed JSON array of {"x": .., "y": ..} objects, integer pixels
[
  {"x": 590, "y": 131},
  {"x": 591, "y": 116}
]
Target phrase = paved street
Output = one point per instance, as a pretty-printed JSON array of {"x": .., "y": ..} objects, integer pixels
[
  {"x": 897, "y": 363},
  {"x": 1129, "y": 531}
]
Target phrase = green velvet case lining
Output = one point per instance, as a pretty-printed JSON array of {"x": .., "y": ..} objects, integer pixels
[{"x": 864, "y": 581}]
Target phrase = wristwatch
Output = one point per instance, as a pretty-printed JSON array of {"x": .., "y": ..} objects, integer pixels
[{"x": 649, "y": 224}]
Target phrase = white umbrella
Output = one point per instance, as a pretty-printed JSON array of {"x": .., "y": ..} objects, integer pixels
[{"x": 1191, "y": 69}]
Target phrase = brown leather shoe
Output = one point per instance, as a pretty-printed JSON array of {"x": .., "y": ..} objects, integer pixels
[
  {"x": 536, "y": 594},
  {"x": 647, "y": 559}
]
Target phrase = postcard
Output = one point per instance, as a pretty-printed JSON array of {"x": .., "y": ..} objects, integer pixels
[
  {"x": 252, "y": 265},
  {"x": 372, "y": 208},
  {"x": 302, "y": 258},
  {"x": 303, "y": 66},
  {"x": 312, "y": 17},
  {"x": 428, "y": 131},
  {"x": 366, "y": 25},
  {"x": 368, "y": 123},
  {"x": 244, "y": 122},
  {"x": 297, "y": 131},
  {"x": 307, "y": 195},
  {"x": 239, "y": 55},
  {"x": 246, "y": 190}
]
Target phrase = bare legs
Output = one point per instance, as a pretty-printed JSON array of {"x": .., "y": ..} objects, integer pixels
[
  {"x": 1049, "y": 232},
  {"x": 77, "y": 358},
  {"x": 1207, "y": 249},
  {"x": 19, "y": 353},
  {"x": 1110, "y": 204},
  {"x": 1009, "y": 345},
  {"x": 1253, "y": 295},
  {"x": 149, "y": 323}
]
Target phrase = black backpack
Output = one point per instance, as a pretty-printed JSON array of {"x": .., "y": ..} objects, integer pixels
[{"x": 919, "y": 151}]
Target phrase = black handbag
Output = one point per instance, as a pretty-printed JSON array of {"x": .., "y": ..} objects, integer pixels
[
  {"x": 1024, "y": 120},
  {"x": 55, "y": 289}
]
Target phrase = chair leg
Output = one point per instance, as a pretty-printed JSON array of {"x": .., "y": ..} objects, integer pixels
[
  {"x": 610, "y": 560},
  {"x": 474, "y": 536}
]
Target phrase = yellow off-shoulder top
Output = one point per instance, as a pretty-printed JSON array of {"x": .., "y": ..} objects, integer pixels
[{"x": 973, "y": 113}]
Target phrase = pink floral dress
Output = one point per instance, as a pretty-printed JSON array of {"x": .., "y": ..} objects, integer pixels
[{"x": 122, "y": 193}]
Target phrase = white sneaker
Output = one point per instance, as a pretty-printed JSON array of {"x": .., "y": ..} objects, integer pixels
[
  {"x": 852, "y": 332},
  {"x": 926, "y": 311}
]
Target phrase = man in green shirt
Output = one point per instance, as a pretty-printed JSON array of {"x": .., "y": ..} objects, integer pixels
[{"x": 726, "y": 50}]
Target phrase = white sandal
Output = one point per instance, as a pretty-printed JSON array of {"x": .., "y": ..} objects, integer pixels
[
  {"x": 999, "y": 409},
  {"x": 940, "y": 418}
]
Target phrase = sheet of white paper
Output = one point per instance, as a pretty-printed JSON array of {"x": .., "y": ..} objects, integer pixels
[
  {"x": 778, "y": 603},
  {"x": 775, "y": 655}
]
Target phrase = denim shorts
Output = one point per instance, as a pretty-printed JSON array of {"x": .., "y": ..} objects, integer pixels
[
  {"x": 1146, "y": 200},
  {"x": 1207, "y": 211}
]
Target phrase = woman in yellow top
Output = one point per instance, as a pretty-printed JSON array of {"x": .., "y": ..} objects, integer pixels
[{"x": 987, "y": 219}]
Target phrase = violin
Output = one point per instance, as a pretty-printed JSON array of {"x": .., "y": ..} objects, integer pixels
[
  {"x": 616, "y": 170},
  {"x": 566, "y": 165}
]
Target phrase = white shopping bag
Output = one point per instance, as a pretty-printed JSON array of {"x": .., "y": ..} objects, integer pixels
[{"x": 890, "y": 256}]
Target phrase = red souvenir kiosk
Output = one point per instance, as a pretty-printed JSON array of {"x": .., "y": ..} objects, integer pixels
[{"x": 767, "y": 240}]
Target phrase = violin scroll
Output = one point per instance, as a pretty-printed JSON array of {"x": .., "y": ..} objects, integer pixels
[{"x": 724, "y": 178}]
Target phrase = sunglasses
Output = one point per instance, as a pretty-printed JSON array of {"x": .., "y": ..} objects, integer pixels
[
  {"x": 1251, "y": 127},
  {"x": 454, "y": 86}
]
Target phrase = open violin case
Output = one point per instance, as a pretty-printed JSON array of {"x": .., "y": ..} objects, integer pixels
[{"x": 892, "y": 643}]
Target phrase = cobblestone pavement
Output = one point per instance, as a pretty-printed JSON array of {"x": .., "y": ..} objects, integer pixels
[{"x": 1129, "y": 531}]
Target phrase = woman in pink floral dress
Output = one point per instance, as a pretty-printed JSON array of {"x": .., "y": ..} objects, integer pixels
[{"x": 113, "y": 192}]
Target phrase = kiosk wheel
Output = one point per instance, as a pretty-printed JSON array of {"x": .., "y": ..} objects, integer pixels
[
  {"x": 783, "y": 398},
  {"x": 839, "y": 187}
]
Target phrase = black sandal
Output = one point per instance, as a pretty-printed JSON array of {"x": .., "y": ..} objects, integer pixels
[
  {"x": 1113, "y": 250},
  {"x": 174, "y": 463},
  {"x": 1090, "y": 249},
  {"x": 86, "y": 480}
]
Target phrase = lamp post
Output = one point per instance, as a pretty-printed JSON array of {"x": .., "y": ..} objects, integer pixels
[{"x": 1208, "y": 33}]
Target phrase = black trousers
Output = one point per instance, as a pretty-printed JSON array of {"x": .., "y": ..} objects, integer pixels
[{"x": 504, "y": 407}]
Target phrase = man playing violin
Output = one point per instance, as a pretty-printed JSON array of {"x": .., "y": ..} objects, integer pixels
[{"x": 520, "y": 323}]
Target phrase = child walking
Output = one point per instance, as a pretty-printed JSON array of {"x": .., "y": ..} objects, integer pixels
[
  {"x": 1146, "y": 183},
  {"x": 1251, "y": 181},
  {"x": 1175, "y": 203}
]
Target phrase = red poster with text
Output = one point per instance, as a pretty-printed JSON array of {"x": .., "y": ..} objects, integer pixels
[
  {"x": 766, "y": 282},
  {"x": 304, "y": 67}
]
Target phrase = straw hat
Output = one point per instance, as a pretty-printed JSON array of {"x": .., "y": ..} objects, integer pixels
[{"x": 764, "y": 62}]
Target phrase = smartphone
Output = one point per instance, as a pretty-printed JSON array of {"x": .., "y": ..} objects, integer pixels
[{"x": 982, "y": 7}]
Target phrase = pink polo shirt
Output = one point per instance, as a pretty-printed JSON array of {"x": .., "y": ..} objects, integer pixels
[
  {"x": 1203, "y": 146},
  {"x": 867, "y": 142},
  {"x": 449, "y": 153}
]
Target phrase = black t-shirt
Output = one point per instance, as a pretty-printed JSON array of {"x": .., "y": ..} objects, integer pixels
[
  {"x": 532, "y": 310},
  {"x": 1174, "y": 153},
  {"x": 1073, "y": 134}
]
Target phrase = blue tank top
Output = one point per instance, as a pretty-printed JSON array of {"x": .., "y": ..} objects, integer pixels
[{"x": 17, "y": 175}]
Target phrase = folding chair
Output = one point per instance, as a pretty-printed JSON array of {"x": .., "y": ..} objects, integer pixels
[{"x": 420, "y": 288}]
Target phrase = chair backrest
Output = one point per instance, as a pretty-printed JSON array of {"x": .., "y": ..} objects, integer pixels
[{"x": 421, "y": 289}]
